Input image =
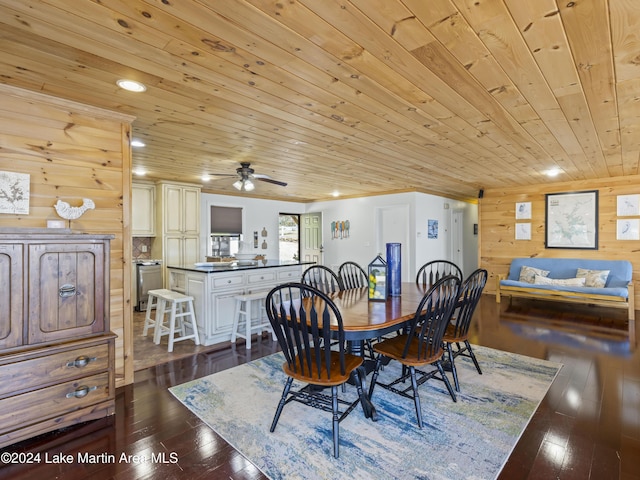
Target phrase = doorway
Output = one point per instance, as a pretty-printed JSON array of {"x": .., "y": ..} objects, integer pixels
[{"x": 288, "y": 236}]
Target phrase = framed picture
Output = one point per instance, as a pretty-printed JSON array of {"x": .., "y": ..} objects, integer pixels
[
  {"x": 523, "y": 211},
  {"x": 523, "y": 231},
  {"x": 14, "y": 193},
  {"x": 628, "y": 205},
  {"x": 571, "y": 220},
  {"x": 628, "y": 229},
  {"x": 432, "y": 228}
]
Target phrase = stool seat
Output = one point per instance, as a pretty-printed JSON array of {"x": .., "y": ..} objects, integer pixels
[
  {"x": 250, "y": 301},
  {"x": 179, "y": 307}
]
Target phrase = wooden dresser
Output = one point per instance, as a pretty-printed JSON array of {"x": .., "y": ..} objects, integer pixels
[{"x": 57, "y": 354}]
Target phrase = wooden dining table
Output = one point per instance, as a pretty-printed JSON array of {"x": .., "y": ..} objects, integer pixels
[{"x": 365, "y": 319}]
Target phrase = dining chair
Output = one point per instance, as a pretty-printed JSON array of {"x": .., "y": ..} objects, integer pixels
[
  {"x": 303, "y": 329},
  {"x": 458, "y": 329},
  {"x": 431, "y": 272},
  {"x": 352, "y": 275},
  {"x": 322, "y": 278},
  {"x": 420, "y": 345}
]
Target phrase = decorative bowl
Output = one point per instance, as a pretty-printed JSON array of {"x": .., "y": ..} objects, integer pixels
[{"x": 245, "y": 256}]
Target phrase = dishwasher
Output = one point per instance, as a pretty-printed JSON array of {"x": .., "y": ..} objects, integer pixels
[{"x": 148, "y": 277}]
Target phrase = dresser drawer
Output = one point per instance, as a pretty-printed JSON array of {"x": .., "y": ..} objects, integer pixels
[
  {"x": 54, "y": 368},
  {"x": 227, "y": 281},
  {"x": 20, "y": 410},
  {"x": 261, "y": 277}
]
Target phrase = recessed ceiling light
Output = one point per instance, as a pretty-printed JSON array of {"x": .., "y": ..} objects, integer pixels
[
  {"x": 336, "y": 193},
  {"x": 553, "y": 172},
  {"x": 138, "y": 143},
  {"x": 139, "y": 172},
  {"x": 131, "y": 85},
  {"x": 205, "y": 178}
]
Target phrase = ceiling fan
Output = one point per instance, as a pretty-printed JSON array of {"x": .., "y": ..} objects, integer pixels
[{"x": 247, "y": 175}]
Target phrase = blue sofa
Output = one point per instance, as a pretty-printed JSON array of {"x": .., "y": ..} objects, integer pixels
[{"x": 617, "y": 292}]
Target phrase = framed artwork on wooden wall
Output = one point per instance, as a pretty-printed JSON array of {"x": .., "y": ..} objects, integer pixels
[
  {"x": 628, "y": 229},
  {"x": 628, "y": 205},
  {"x": 523, "y": 211},
  {"x": 14, "y": 193},
  {"x": 571, "y": 220}
]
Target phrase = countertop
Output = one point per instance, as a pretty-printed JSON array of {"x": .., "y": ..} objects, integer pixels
[{"x": 260, "y": 264}]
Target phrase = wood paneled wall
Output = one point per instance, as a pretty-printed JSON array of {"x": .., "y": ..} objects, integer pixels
[
  {"x": 497, "y": 224},
  {"x": 72, "y": 151}
]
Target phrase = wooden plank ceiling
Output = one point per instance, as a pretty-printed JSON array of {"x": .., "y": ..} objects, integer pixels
[{"x": 359, "y": 97}]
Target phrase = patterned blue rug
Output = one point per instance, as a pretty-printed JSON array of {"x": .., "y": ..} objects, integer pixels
[{"x": 469, "y": 439}]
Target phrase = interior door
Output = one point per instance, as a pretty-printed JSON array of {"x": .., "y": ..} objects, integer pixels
[{"x": 311, "y": 247}]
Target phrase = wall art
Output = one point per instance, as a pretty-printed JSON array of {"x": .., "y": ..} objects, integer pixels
[
  {"x": 432, "y": 228},
  {"x": 628, "y": 205},
  {"x": 628, "y": 229},
  {"x": 523, "y": 211},
  {"x": 340, "y": 229},
  {"x": 14, "y": 193},
  {"x": 571, "y": 220},
  {"x": 523, "y": 231}
]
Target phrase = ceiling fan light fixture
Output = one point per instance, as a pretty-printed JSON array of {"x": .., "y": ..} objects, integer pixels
[
  {"x": 238, "y": 184},
  {"x": 248, "y": 185}
]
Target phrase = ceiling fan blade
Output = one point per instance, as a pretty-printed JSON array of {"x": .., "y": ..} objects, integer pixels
[
  {"x": 269, "y": 180},
  {"x": 222, "y": 174}
]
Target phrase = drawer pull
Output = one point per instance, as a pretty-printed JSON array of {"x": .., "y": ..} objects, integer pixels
[
  {"x": 81, "y": 361},
  {"x": 67, "y": 290},
  {"x": 82, "y": 391}
]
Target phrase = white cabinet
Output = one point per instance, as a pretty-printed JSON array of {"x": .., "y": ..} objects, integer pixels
[
  {"x": 181, "y": 209},
  {"x": 178, "y": 215},
  {"x": 143, "y": 208},
  {"x": 214, "y": 294}
]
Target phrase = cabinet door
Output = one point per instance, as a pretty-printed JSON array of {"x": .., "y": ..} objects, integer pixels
[
  {"x": 191, "y": 211},
  {"x": 173, "y": 207},
  {"x": 224, "y": 305},
  {"x": 191, "y": 250},
  {"x": 143, "y": 218},
  {"x": 67, "y": 291},
  {"x": 11, "y": 295}
]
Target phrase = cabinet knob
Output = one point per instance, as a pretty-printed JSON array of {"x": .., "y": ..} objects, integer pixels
[
  {"x": 67, "y": 290},
  {"x": 228, "y": 281},
  {"x": 81, "y": 361},
  {"x": 82, "y": 391}
]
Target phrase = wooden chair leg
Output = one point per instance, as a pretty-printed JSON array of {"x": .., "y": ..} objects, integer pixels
[
  {"x": 283, "y": 400},
  {"x": 336, "y": 421},
  {"x": 416, "y": 396},
  {"x": 473, "y": 356}
]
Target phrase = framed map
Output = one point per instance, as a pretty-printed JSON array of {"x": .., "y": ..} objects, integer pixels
[{"x": 571, "y": 220}]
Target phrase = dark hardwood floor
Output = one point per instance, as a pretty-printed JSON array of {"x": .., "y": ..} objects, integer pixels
[{"x": 587, "y": 426}]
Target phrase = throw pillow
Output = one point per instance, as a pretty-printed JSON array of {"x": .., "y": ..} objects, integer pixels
[
  {"x": 566, "y": 282},
  {"x": 594, "y": 278},
  {"x": 528, "y": 274}
]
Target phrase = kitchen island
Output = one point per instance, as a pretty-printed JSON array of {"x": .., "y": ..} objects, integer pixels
[{"x": 214, "y": 289}]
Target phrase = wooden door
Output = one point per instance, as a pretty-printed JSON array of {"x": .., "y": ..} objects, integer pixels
[
  {"x": 311, "y": 247},
  {"x": 66, "y": 291}
]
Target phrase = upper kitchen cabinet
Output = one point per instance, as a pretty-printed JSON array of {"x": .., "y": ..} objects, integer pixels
[
  {"x": 178, "y": 224},
  {"x": 181, "y": 209},
  {"x": 143, "y": 208}
]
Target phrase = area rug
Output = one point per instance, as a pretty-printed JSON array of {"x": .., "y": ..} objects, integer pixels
[{"x": 469, "y": 439}]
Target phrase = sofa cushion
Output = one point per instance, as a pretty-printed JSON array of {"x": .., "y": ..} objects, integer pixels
[
  {"x": 574, "y": 282},
  {"x": 593, "y": 278},
  {"x": 528, "y": 274}
]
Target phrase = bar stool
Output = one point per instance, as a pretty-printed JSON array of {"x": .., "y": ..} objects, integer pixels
[
  {"x": 179, "y": 307},
  {"x": 250, "y": 301},
  {"x": 158, "y": 303}
]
